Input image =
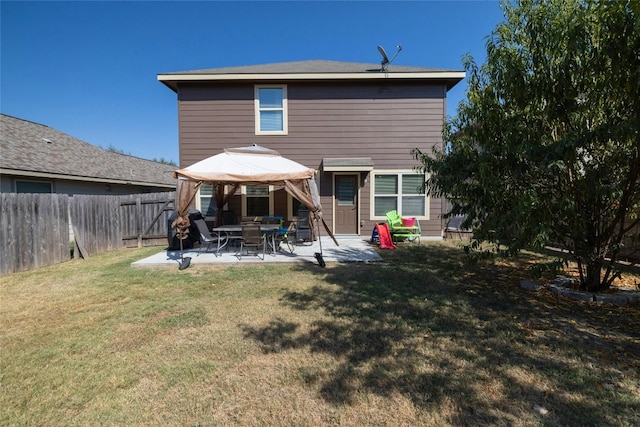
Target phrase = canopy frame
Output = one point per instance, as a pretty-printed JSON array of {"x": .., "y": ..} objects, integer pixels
[{"x": 253, "y": 165}]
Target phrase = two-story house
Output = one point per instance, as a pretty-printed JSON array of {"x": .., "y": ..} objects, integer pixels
[{"x": 352, "y": 122}]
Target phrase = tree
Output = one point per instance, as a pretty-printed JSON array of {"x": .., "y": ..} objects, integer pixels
[
  {"x": 112, "y": 148},
  {"x": 165, "y": 161},
  {"x": 546, "y": 146}
]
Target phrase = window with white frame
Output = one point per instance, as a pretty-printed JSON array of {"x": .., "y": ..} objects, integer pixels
[
  {"x": 257, "y": 200},
  {"x": 207, "y": 203},
  {"x": 271, "y": 110},
  {"x": 400, "y": 192}
]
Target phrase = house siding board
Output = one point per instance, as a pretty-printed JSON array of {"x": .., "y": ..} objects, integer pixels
[
  {"x": 365, "y": 204},
  {"x": 324, "y": 119},
  {"x": 381, "y": 120}
]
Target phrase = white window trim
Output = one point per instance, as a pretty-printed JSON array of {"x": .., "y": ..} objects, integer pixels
[
  {"x": 243, "y": 191},
  {"x": 285, "y": 110},
  {"x": 198, "y": 202},
  {"x": 398, "y": 172}
]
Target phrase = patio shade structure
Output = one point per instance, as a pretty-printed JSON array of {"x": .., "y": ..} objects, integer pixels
[{"x": 251, "y": 165}]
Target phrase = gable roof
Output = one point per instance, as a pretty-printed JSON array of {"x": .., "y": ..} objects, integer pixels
[
  {"x": 36, "y": 150},
  {"x": 313, "y": 70}
]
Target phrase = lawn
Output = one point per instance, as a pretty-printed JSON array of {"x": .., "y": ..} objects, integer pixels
[{"x": 421, "y": 339}]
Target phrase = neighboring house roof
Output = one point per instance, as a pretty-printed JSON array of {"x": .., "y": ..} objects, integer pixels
[
  {"x": 313, "y": 70},
  {"x": 35, "y": 150}
]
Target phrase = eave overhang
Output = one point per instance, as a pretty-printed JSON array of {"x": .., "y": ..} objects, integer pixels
[
  {"x": 52, "y": 176},
  {"x": 451, "y": 78}
]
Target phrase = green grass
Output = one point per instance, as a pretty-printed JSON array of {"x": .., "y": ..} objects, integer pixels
[{"x": 420, "y": 339}]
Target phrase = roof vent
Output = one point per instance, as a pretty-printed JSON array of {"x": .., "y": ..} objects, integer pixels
[{"x": 47, "y": 140}]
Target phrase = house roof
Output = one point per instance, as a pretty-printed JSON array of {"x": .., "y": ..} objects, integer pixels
[
  {"x": 313, "y": 70},
  {"x": 35, "y": 150}
]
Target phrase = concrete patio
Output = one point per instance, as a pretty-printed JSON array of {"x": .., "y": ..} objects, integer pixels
[{"x": 350, "y": 249}]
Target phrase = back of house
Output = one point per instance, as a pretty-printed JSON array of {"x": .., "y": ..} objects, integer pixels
[{"x": 354, "y": 123}]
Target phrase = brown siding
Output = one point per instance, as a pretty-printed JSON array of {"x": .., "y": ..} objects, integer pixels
[
  {"x": 365, "y": 204},
  {"x": 433, "y": 227},
  {"x": 280, "y": 203},
  {"x": 326, "y": 119}
]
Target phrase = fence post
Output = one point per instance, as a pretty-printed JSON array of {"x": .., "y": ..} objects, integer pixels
[{"x": 139, "y": 220}]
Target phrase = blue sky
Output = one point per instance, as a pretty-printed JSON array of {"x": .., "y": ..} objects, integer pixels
[{"x": 89, "y": 69}]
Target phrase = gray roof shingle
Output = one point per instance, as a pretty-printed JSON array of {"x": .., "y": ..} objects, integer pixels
[
  {"x": 33, "y": 147},
  {"x": 313, "y": 70},
  {"x": 311, "y": 66}
]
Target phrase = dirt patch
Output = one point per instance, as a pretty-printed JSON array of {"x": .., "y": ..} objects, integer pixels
[{"x": 623, "y": 293}]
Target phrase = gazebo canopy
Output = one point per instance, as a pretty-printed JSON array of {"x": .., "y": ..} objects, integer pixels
[
  {"x": 251, "y": 165},
  {"x": 246, "y": 166}
]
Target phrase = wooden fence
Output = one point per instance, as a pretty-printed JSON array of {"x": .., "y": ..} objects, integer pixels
[{"x": 35, "y": 229}]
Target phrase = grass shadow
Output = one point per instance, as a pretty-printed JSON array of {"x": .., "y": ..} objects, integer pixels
[{"x": 426, "y": 324}]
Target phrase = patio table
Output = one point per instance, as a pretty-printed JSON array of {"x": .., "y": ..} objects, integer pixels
[{"x": 231, "y": 232}]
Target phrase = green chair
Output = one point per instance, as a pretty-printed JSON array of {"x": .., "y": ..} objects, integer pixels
[{"x": 400, "y": 231}]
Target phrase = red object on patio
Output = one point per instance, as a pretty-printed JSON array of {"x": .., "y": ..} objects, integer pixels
[{"x": 385, "y": 236}]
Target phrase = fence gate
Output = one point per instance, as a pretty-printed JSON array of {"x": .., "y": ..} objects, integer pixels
[{"x": 145, "y": 218}]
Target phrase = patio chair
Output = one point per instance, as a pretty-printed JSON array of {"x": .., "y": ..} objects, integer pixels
[
  {"x": 246, "y": 219},
  {"x": 403, "y": 229},
  {"x": 205, "y": 235},
  {"x": 252, "y": 237},
  {"x": 302, "y": 229},
  {"x": 287, "y": 235},
  {"x": 275, "y": 236},
  {"x": 229, "y": 218},
  {"x": 454, "y": 226}
]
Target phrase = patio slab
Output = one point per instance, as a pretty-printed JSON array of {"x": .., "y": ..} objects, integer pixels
[{"x": 350, "y": 249}]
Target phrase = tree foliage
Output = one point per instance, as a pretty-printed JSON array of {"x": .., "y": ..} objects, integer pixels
[
  {"x": 546, "y": 146},
  {"x": 113, "y": 149}
]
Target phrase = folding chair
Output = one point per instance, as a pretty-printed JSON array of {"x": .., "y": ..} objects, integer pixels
[
  {"x": 303, "y": 231},
  {"x": 206, "y": 237},
  {"x": 252, "y": 237}
]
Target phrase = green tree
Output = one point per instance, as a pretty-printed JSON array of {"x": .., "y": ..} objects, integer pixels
[
  {"x": 165, "y": 161},
  {"x": 546, "y": 146}
]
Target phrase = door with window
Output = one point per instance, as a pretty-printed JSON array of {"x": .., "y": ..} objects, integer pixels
[{"x": 346, "y": 204}]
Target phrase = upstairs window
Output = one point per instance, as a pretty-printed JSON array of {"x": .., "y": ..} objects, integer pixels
[{"x": 271, "y": 110}]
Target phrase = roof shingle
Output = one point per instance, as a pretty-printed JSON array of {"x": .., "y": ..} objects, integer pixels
[
  {"x": 33, "y": 147},
  {"x": 311, "y": 66}
]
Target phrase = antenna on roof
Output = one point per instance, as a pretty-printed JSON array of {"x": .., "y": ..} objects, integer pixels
[{"x": 385, "y": 59}]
